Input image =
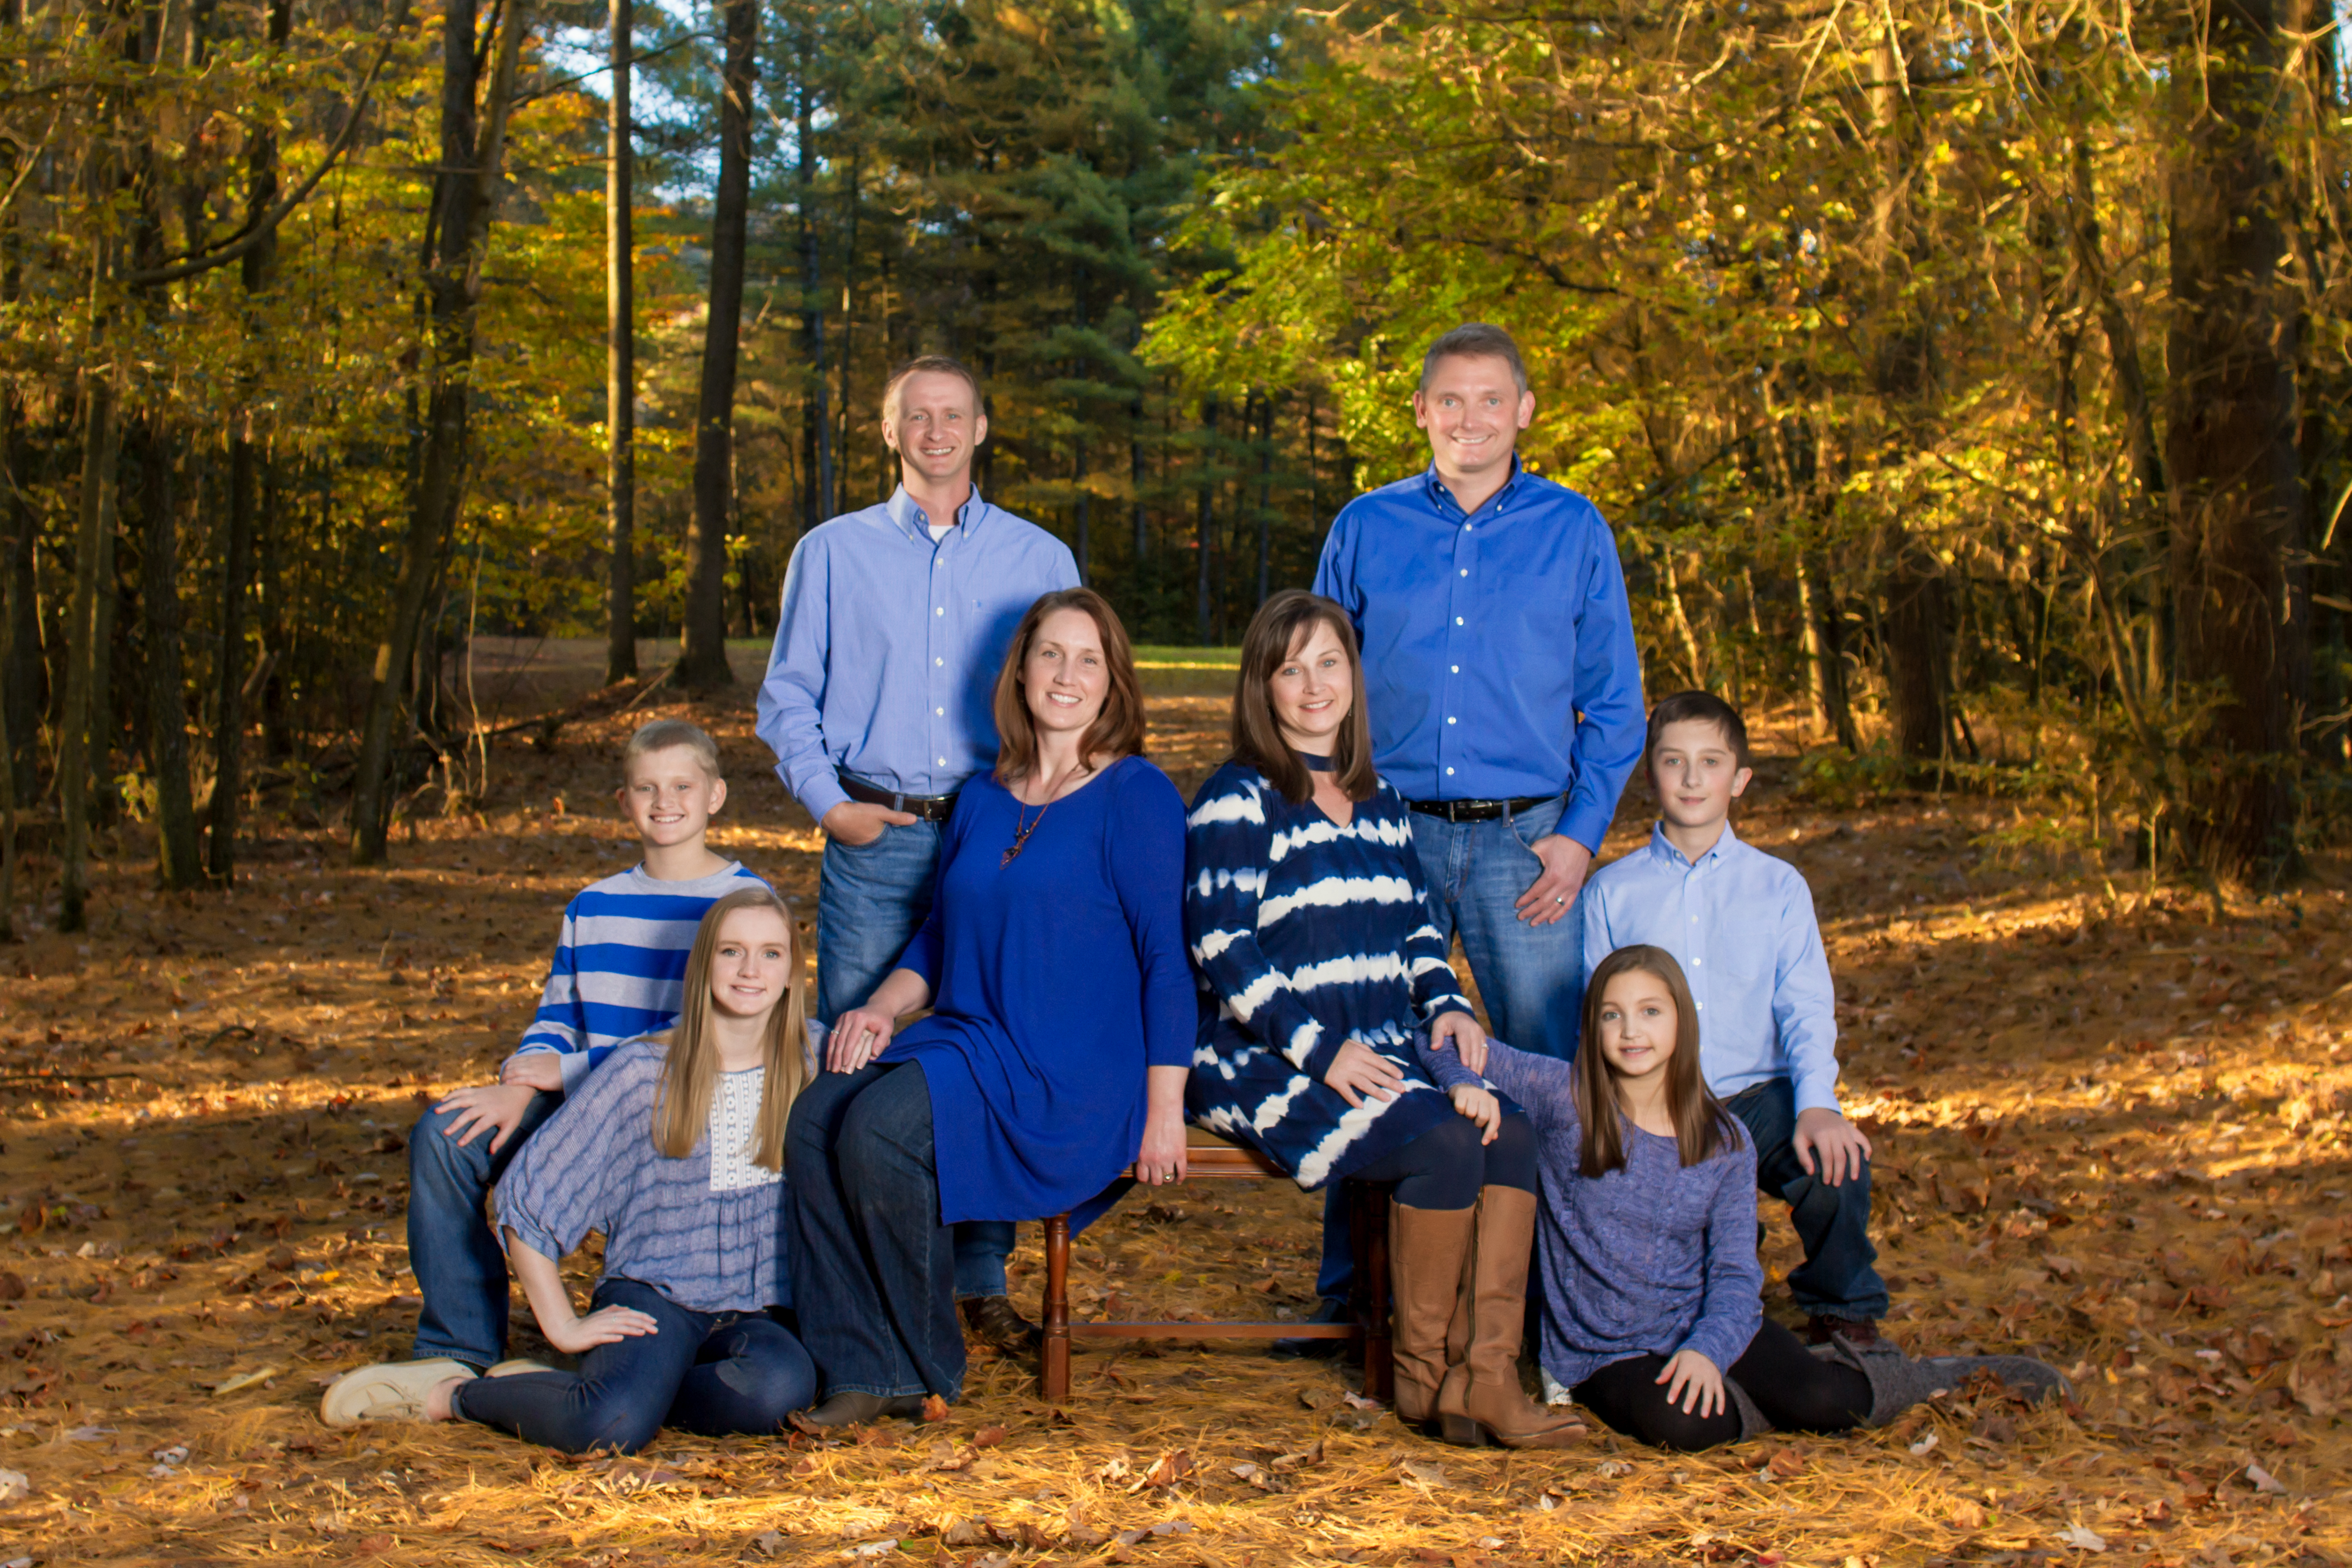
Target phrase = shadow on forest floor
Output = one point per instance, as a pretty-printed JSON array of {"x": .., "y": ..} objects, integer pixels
[{"x": 2110, "y": 1133}]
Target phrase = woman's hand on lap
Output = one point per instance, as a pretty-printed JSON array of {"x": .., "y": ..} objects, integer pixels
[
  {"x": 1481, "y": 1107},
  {"x": 1461, "y": 1031},
  {"x": 858, "y": 1036},
  {"x": 1162, "y": 1158},
  {"x": 1358, "y": 1070},
  {"x": 1694, "y": 1383},
  {"x": 603, "y": 1326}
]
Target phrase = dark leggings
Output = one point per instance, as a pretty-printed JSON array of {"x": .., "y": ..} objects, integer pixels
[
  {"x": 715, "y": 1373},
  {"x": 1446, "y": 1166},
  {"x": 1796, "y": 1390}
]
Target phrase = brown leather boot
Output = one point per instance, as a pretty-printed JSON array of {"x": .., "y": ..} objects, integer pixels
[
  {"x": 1481, "y": 1401},
  {"x": 1426, "y": 1251}
]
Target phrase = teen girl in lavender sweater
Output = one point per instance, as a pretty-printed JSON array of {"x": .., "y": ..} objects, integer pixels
[
  {"x": 674, "y": 1149},
  {"x": 1652, "y": 1310}
]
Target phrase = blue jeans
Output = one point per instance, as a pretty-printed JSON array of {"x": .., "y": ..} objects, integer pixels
[
  {"x": 1838, "y": 1278},
  {"x": 717, "y": 1373},
  {"x": 873, "y": 1267},
  {"x": 1531, "y": 978},
  {"x": 871, "y": 900},
  {"x": 461, "y": 1270}
]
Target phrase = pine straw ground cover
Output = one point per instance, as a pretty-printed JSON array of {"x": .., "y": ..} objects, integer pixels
[{"x": 2112, "y": 1131}]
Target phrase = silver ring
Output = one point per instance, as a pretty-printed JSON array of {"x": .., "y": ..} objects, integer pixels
[{"x": 1558, "y": 900}]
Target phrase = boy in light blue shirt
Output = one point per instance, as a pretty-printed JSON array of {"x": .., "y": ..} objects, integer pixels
[{"x": 1741, "y": 923}]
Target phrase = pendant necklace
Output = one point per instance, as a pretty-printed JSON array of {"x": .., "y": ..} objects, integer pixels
[{"x": 1024, "y": 827}]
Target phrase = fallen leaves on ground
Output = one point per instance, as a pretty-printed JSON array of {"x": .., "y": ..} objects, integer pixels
[{"x": 2111, "y": 1132}]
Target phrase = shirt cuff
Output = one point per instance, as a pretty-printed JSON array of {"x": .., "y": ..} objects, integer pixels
[
  {"x": 1816, "y": 1091},
  {"x": 1584, "y": 821},
  {"x": 819, "y": 795},
  {"x": 575, "y": 1066}
]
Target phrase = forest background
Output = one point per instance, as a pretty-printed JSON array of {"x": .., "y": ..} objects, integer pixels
[{"x": 1973, "y": 376}]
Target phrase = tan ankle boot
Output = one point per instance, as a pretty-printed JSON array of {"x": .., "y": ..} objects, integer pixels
[
  {"x": 1427, "y": 1248},
  {"x": 1481, "y": 1401}
]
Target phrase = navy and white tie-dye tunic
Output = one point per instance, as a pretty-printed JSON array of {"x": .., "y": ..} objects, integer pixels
[{"x": 1309, "y": 934}]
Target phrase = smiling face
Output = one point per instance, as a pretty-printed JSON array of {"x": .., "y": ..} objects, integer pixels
[
  {"x": 1313, "y": 689},
  {"x": 1473, "y": 411},
  {"x": 752, "y": 963},
  {"x": 1638, "y": 1026},
  {"x": 1064, "y": 676},
  {"x": 1696, "y": 774},
  {"x": 935, "y": 425},
  {"x": 670, "y": 796}
]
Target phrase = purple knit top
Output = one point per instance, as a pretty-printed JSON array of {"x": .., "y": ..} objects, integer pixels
[{"x": 1650, "y": 1260}]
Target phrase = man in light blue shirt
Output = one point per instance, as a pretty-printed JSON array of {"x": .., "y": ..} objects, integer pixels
[
  {"x": 1741, "y": 924},
  {"x": 877, "y": 703},
  {"x": 1504, "y": 692}
]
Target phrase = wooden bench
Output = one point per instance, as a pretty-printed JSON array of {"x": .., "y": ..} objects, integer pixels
[{"x": 1208, "y": 1158}]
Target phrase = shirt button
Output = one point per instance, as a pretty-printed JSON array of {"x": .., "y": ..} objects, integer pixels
[
  {"x": 938, "y": 661},
  {"x": 1449, "y": 718},
  {"x": 943, "y": 713},
  {"x": 1449, "y": 772},
  {"x": 943, "y": 761},
  {"x": 942, "y": 610},
  {"x": 1458, "y": 669},
  {"x": 1465, "y": 571},
  {"x": 1458, "y": 620}
]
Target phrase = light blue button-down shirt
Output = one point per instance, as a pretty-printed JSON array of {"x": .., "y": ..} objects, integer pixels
[
  {"x": 1498, "y": 649},
  {"x": 887, "y": 647},
  {"x": 1740, "y": 922}
]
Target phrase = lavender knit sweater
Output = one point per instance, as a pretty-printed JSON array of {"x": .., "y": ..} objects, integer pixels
[{"x": 1651, "y": 1258}]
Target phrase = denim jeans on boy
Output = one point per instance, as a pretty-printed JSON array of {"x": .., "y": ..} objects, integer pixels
[
  {"x": 873, "y": 1269},
  {"x": 717, "y": 1373},
  {"x": 1531, "y": 978},
  {"x": 1838, "y": 1278},
  {"x": 871, "y": 900},
  {"x": 461, "y": 1271}
]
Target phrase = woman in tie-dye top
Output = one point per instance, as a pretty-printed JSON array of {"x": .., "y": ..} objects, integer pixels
[{"x": 1305, "y": 909}]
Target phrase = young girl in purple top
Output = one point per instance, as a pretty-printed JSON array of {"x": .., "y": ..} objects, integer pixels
[
  {"x": 674, "y": 1149},
  {"x": 1652, "y": 1310}
]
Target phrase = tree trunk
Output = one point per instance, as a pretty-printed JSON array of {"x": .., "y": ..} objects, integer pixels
[
  {"x": 620, "y": 360},
  {"x": 179, "y": 847},
  {"x": 1824, "y": 661},
  {"x": 2237, "y": 549},
  {"x": 1265, "y": 499},
  {"x": 702, "y": 645},
  {"x": 1204, "y": 534},
  {"x": 1916, "y": 649},
  {"x": 1694, "y": 657},
  {"x": 21, "y": 668},
  {"x": 464, "y": 187},
  {"x": 85, "y": 696},
  {"x": 816, "y": 420}
]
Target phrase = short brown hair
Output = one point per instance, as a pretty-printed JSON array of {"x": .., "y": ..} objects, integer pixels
[
  {"x": 1279, "y": 626},
  {"x": 1699, "y": 707},
  {"x": 1475, "y": 340},
  {"x": 1117, "y": 728},
  {"x": 662, "y": 734},
  {"x": 934, "y": 364},
  {"x": 1701, "y": 1124}
]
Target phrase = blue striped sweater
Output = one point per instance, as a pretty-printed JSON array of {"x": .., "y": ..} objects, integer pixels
[
  {"x": 1309, "y": 934},
  {"x": 620, "y": 965}
]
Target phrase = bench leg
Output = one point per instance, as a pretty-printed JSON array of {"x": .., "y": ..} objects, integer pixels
[
  {"x": 1055, "y": 1371},
  {"x": 1379, "y": 1355}
]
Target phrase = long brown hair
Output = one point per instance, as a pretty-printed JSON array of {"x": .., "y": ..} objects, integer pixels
[
  {"x": 1117, "y": 728},
  {"x": 690, "y": 1075},
  {"x": 1281, "y": 624},
  {"x": 1701, "y": 1124}
]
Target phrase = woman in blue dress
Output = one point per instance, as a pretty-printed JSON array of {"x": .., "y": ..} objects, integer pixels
[
  {"x": 1306, "y": 909},
  {"x": 1062, "y": 1020}
]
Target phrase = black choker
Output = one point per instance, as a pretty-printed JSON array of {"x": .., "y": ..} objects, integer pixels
[{"x": 1315, "y": 765}]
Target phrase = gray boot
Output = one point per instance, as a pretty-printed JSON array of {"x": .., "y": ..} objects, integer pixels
[{"x": 1898, "y": 1382}]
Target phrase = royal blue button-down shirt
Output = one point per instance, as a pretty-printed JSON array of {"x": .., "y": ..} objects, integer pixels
[
  {"x": 887, "y": 647},
  {"x": 1740, "y": 922},
  {"x": 1498, "y": 649}
]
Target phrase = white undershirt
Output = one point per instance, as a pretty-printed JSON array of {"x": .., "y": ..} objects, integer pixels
[
  {"x": 938, "y": 530},
  {"x": 734, "y": 1117}
]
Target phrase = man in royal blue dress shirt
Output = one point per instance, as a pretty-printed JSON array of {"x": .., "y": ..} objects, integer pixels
[
  {"x": 877, "y": 703},
  {"x": 1504, "y": 688}
]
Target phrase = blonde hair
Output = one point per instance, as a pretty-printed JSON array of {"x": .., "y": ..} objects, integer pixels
[
  {"x": 689, "y": 1074},
  {"x": 662, "y": 734}
]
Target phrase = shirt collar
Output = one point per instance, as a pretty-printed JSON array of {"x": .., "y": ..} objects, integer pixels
[
  {"x": 1663, "y": 847},
  {"x": 909, "y": 517},
  {"x": 1443, "y": 497}
]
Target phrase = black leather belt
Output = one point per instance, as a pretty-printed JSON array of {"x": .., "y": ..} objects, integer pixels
[
  {"x": 1476, "y": 810},
  {"x": 930, "y": 807}
]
